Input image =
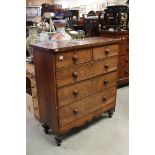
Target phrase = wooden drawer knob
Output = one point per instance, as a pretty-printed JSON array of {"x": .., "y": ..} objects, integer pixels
[
  {"x": 127, "y": 60},
  {"x": 75, "y": 92},
  {"x": 75, "y": 58},
  {"x": 75, "y": 75},
  {"x": 104, "y": 98},
  {"x": 107, "y": 51},
  {"x": 106, "y": 66},
  {"x": 123, "y": 38},
  {"x": 106, "y": 82},
  {"x": 75, "y": 111}
]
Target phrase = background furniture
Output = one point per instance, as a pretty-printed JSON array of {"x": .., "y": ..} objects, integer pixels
[
  {"x": 32, "y": 12},
  {"x": 123, "y": 65},
  {"x": 91, "y": 26},
  {"x": 69, "y": 14},
  {"x": 56, "y": 8},
  {"x": 32, "y": 90},
  {"x": 76, "y": 81},
  {"x": 116, "y": 17}
]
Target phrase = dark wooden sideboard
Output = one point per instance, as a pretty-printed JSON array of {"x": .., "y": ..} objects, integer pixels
[
  {"x": 76, "y": 82},
  {"x": 123, "y": 65}
]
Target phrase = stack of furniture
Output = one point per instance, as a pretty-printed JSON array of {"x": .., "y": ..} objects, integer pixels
[
  {"x": 32, "y": 90},
  {"x": 69, "y": 14},
  {"x": 56, "y": 8},
  {"x": 91, "y": 24},
  {"x": 123, "y": 65},
  {"x": 32, "y": 12},
  {"x": 113, "y": 17},
  {"x": 76, "y": 82}
]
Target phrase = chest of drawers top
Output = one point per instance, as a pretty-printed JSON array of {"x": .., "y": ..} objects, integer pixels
[{"x": 62, "y": 46}]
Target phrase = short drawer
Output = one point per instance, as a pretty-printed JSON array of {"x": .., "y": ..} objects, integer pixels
[
  {"x": 105, "y": 51},
  {"x": 85, "y": 106},
  {"x": 108, "y": 65},
  {"x": 123, "y": 60},
  {"x": 82, "y": 89},
  {"x": 123, "y": 72},
  {"x": 123, "y": 49},
  {"x": 73, "y": 57},
  {"x": 74, "y": 74}
]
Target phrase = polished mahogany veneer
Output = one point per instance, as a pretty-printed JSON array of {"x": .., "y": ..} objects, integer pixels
[{"x": 76, "y": 82}]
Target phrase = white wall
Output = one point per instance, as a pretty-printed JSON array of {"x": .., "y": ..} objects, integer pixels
[
  {"x": 65, "y": 3},
  {"x": 77, "y": 3},
  {"x": 121, "y": 1}
]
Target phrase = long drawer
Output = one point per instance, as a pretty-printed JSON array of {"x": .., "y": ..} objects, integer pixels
[
  {"x": 105, "y": 51},
  {"x": 82, "y": 89},
  {"x": 73, "y": 57},
  {"x": 85, "y": 71},
  {"x": 85, "y": 106}
]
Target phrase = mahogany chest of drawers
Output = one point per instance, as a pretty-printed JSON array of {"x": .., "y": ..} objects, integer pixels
[
  {"x": 123, "y": 65},
  {"x": 76, "y": 82}
]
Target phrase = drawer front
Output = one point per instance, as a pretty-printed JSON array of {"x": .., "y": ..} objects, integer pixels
[
  {"x": 123, "y": 72},
  {"x": 85, "y": 106},
  {"x": 82, "y": 89},
  {"x": 124, "y": 49},
  {"x": 105, "y": 51},
  {"x": 108, "y": 65},
  {"x": 73, "y": 57},
  {"x": 74, "y": 74},
  {"x": 123, "y": 60}
]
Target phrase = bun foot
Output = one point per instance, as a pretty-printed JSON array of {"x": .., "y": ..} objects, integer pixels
[
  {"x": 58, "y": 140},
  {"x": 46, "y": 128}
]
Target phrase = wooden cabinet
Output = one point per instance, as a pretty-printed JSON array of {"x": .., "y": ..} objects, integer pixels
[
  {"x": 123, "y": 65},
  {"x": 76, "y": 81}
]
